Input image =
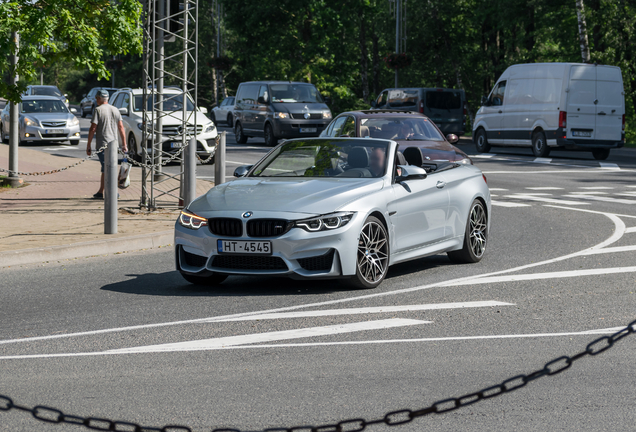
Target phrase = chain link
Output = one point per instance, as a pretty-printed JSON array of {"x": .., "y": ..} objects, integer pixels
[
  {"x": 393, "y": 418},
  {"x": 40, "y": 173}
]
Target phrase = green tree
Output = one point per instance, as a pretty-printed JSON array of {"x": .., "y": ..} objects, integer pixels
[{"x": 57, "y": 31}]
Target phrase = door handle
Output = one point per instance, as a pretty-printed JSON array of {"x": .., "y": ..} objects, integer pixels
[
  {"x": 500, "y": 111},
  {"x": 602, "y": 113},
  {"x": 440, "y": 184}
]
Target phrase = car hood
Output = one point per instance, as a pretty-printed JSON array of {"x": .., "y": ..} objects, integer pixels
[
  {"x": 47, "y": 117},
  {"x": 312, "y": 196},
  {"x": 300, "y": 107},
  {"x": 176, "y": 118},
  {"x": 434, "y": 150}
]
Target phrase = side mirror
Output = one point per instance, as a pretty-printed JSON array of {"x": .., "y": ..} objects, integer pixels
[
  {"x": 123, "y": 111},
  {"x": 374, "y": 104},
  {"x": 452, "y": 138},
  {"x": 204, "y": 110},
  {"x": 484, "y": 100},
  {"x": 65, "y": 95},
  {"x": 242, "y": 170},
  {"x": 73, "y": 110},
  {"x": 410, "y": 172}
]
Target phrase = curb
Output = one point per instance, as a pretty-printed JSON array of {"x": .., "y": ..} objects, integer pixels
[{"x": 81, "y": 250}]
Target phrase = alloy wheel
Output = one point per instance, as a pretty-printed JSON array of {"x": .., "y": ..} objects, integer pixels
[
  {"x": 478, "y": 230},
  {"x": 373, "y": 252}
]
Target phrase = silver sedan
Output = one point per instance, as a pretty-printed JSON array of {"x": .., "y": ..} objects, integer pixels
[
  {"x": 42, "y": 118},
  {"x": 334, "y": 208}
]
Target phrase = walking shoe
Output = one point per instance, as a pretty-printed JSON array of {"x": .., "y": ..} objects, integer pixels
[{"x": 98, "y": 195}]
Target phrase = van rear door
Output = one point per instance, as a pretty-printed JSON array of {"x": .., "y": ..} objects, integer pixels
[
  {"x": 611, "y": 103},
  {"x": 581, "y": 107}
]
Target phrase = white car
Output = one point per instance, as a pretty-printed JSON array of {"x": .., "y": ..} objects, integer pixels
[
  {"x": 223, "y": 112},
  {"x": 130, "y": 104}
]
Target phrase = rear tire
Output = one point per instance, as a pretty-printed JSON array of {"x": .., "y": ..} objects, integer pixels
[
  {"x": 83, "y": 112},
  {"x": 270, "y": 139},
  {"x": 212, "y": 280},
  {"x": 238, "y": 132},
  {"x": 600, "y": 154},
  {"x": 481, "y": 141},
  {"x": 540, "y": 145},
  {"x": 475, "y": 237},
  {"x": 372, "y": 257}
]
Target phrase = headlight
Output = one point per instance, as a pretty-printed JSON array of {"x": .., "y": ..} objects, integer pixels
[
  {"x": 192, "y": 221},
  {"x": 281, "y": 115},
  {"x": 325, "y": 222},
  {"x": 465, "y": 161},
  {"x": 209, "y": 128},
  {"x": 74, "y": 121},
  {"x": 30, "y": 122},
  {"x": 326, "y": 114}
]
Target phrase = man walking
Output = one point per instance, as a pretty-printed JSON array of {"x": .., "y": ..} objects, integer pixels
[{"x": 105, "y": 125}]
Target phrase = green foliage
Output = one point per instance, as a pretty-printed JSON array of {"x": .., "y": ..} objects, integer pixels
[{"x": 69, "y": 32}]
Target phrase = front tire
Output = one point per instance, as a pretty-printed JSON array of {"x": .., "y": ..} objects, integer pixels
[
  {"x": 212, "y": 280},
  {"x": 481, "y": 141},
  {"x": 132, "y": 148},
  {"x": 270, "y": 139},
  {"x": 600, "y": 154},
  {"x": 238, "y": 132},
  {"x": 540, "y": 145},
  {"x": 83, "y": 112},
  {"x": 475, "y": 237},
  {"x": 372, "y": 257}
]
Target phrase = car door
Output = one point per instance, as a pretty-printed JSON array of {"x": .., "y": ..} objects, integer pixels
[
  {"x": 336, "y": 127},
  {"x": 419, "y": 212},
  {"x": 493, "y": 113},
  {"x": 610, "y": 105}
]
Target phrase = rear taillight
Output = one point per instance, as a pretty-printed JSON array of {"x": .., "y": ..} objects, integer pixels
[
  {"x": 422, "y": 107},
  {"x": 485, "y": 181},
  {"x": 563, "y": 119},
  {"x": 623, "y": 122}
]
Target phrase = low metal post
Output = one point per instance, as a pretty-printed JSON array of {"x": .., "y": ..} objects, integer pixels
[
  {"x": 110, "y": 188},
  {"x": 219, "y": 161},
  {"x": 190, "y": 172},
  {"x": 14, "y": 179}
]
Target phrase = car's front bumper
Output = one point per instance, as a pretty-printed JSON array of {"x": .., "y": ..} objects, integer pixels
[
  {"x": 297, "y": 253},
  {"x": 37, "y": 133},
  {"x": 206, "y": 143}
]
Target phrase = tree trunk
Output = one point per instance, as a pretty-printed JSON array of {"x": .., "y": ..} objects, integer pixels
[
  {"x": 585, "y": 48},
  {"x": 364, "y": 59},
  {"x": 376, "y": 63}
]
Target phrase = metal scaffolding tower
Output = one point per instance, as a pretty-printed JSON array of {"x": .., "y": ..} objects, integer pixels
[{"x": 170, "y": 57}]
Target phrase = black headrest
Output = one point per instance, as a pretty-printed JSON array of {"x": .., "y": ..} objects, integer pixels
[
  {"x": 413, "y": 156},
  {"x": 400, "y": 159},
  {"x": 358, "y": 158}
]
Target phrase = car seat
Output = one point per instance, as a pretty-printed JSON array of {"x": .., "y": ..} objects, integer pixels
[
  {"x": 358, "y": 161},
  {"x": 413, "y": 156}
]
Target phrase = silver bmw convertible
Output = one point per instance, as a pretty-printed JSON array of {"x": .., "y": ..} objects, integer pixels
[{"x": 347, "y": 208}]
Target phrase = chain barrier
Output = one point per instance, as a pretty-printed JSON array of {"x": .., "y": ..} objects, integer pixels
[
  {"x": 131, "y": 160},
  {"x": 393, "y": 418}
]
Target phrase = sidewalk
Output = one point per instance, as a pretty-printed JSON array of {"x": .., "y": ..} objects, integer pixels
[{"x": 54, "y": 216}]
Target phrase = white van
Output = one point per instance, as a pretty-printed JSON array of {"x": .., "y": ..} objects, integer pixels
[{"x": 569, "y": 106}]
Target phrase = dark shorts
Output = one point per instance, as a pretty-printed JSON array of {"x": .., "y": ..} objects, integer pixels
[{"x": 100, "y": 156}]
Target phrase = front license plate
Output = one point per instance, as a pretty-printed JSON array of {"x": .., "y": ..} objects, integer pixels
[
  {"x": 244, "y": 247},
  {"x": 582, "y": 133},
  {"x": 175, "y": 145},
  {"x": 54, "y": 131},
  {"x": 308, "y": 130}
]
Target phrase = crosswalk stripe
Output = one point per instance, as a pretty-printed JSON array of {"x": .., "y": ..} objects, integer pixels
[
  {"x": 542, "y": 160},
  {"x": 631, "y": 230},
  {"x": 543, "y": 199},
  {"x": 590, "y": 193},
  {"x": 498, "y": 189},
  {"x": 544, "y": 188},
  {"x": 508, "y": 204},
  {"x": 602, "y": 198},
  {"x": 595, "y": 187},
  {"x": 610, "y": 250},
  {"x": 607, "y": 165}
]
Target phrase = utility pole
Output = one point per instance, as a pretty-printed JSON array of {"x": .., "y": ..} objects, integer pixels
[
  {"x": 398, "y": 34},
  {"x": 157, "y": 94},
  {"x": 14, "y": 117},
  {"x": 218, "y": 49}
]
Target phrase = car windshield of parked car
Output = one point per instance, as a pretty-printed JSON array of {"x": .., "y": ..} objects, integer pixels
[
  {"x": 45, "y": 91},
  {"x": 43, "y": 106},
  {"x": 301, "y": 93},
  {"x": 171, "y": 102},
  {"x": 401, "y": 128},
  {"x": 325, "y": 158}
]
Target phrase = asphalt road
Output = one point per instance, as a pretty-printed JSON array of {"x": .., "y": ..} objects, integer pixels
[{"x": 123, "y": 337}]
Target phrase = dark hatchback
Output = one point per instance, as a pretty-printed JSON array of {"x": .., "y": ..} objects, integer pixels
[
  {"x": 88, "y": 104},
  {"x": 408, "y": 129}
]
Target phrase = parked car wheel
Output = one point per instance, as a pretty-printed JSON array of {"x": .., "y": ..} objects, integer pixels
[
  {"x": 83, "y": 112},
  {"x": 132, "y": 148},
  {"x": 600, "y": 154},
  {"x": 229, "y": 119},
  {"x": 475, "y": 237},
  {"x": 270, "y": 139},
  {"x": 5, "y": 140},
  {"x": 481, "y": 141},
  {"x": 214, "y": 279},
  {"x": 238, "y": 132},
  {"x": 372, "y": 255},
  {"x": 540, "y": 145}
]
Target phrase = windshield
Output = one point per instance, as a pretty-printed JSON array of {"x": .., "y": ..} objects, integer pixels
[
  {"x": 443, "y": 100},
  {"x": 43, "y": 106},
  {"x": 171, "y": 102},
  {"x": 302, "y": 93},
  {"x": 45, "y": 91},
  {"x": 325, "y": 158},
  {"x": 404, "y": 128}
]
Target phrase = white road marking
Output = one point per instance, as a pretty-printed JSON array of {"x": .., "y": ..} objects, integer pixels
[
  {"x": 602, "y": 198},
  {"x": 612, "y": 249},
  {"x": 542, "y": 199},
  {"x": 631, "y": 230},
  {"x": 607, "y": 165},
  {"x": 498, "y": 189},
  {"x": 544, "y": 188},
  {"x": 630, "y": 194},
  {"x": 239, "y": 163},
  {"x": 551, "y": 275},
  {"x": 611, "y": 330},
  {"x": 366, "y": 310},
  {"x": 542, "y": 160},
  {"x": 590, "y": 193},
  {"x": 508, "y": 204},
  {"x": 483, "y": 156},
  {"x": 634, "y": 186},
  {"x": 619, "y": 231},
  {"x": 595, "y": 187}
]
